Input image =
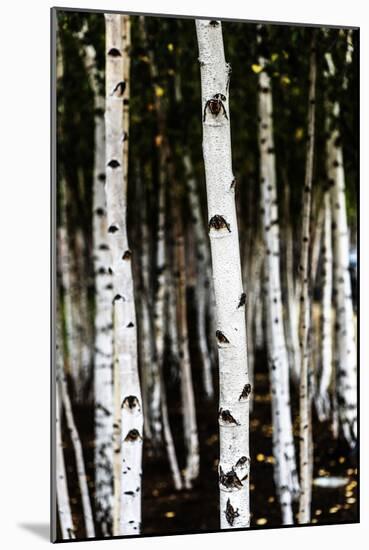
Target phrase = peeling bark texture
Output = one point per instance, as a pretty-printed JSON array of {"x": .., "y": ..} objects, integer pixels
[
  {"x": 103, "y": 348},
  {"x": 62, "y": 493},
  {"x": 285, "y": 473},
  {"x": 78, "y": 452},
  {"x": 234, "y": 461},
  {"x": 305, "y": 307},
  {"x": 125, "y": 331},
  {"x": 322, "y": 399},
  {"x": 345, "y": 368}
]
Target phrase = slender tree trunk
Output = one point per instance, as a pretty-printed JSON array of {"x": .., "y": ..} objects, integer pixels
[
  {"x": 305, "y": 307},
  {"x": 234, "y": 461},
  {"x": 204, "y": 284},
  {"x": 125, "y": 332},
  {"x": 103, "y": 348},
  {"x": 62, "y": 493},
  {"x": 285, "y": 474},
  {"x": 346, "y": 368},
  {"x": 187, "y": 393},
  {"x": 322, "y": 400},
  {"x": 292, "y": 297},
  {"x": 78, "y": 452}
]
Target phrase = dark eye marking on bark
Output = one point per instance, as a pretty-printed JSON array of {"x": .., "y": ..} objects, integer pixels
[
  {"x": 113, "y": 229},
  {"x": 233, "y": 183},
  {"x": 229, "y": 480},
  {"x": 214, "y": 23},
  {"x": 242, "y": 461},
  {"x": 218, "y": 222},
  {"x": 242, "y": 301},
  {"x": 117, "y": 297},
  {"x": 129, "y": 493},
  {"x": 103, "y": 247},
  {"x": 120, "y": 87},
  {"x": 113, "y": 163},
  {"x": 110, "y": 271},
  {"x": 245, "y": 392},
  {"x": 131, "y": 402},
  {"x": 99, "y": 211},
  {"x": 222, "y": 339},
  {"x": 101, "y": 271},
  {"x": 225, "y": 416},
  {"x": 133, "y": 435},
  {"x": 101, "y": 177},
  {"x": 130, "y": 325},
  {"x": 230, "y": 513},
  {"x": 127, "y": 255},
  {"x": 114, "y": 52}
]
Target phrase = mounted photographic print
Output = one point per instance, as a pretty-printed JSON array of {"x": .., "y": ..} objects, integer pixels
[{"x": 205, "y": 214}]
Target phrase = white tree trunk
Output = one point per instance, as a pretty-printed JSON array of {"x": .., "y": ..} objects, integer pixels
[
  {"x": 125, "y": 332},
  {"x": 103, "y": 348},
  {"x": 78, "y": 452},
  {"x": 285, "y": 466},
  {"x": 203, "y": 280},
  {"x": 305, "y": 308},
  {"x": 234, "y": 387},
  {"x": 322, "y": 400},
  {"x": 187, "y": 393},
  {"x": 62, "y": 493},
  {"x": 346, "y": 368}
]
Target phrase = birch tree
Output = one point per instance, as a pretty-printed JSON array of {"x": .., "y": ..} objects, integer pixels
[
  {"x": 78, "y": 452},
  {"x": 322, "y": 399},
  {"x": 103, "y": 321},
  {"x": 234, "y": 460},
  {"x": 285, "y": 473},
  {"x": 125, "y": 334},
  {"x": 62, "y": 492},
  {"x": 346, "y": 368},
  {"x": 305, "y": 306}
]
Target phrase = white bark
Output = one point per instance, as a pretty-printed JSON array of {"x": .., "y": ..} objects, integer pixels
[
  {"x": 305, "y": 309},
  {"x": 346, "y": 368},
  {"x": 103, "y": 347},
  {"x": 125, "y": 334},
  {"x": 285, "y": 474},
  {"x": 234, "y": 462},
  {"x": 78, "y": 452},
  {"x": 322, "y": 399},
  {"x": 62, "y": 493}
]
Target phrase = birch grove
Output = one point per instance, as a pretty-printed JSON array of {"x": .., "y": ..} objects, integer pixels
[{"x": 206, "y": 275}]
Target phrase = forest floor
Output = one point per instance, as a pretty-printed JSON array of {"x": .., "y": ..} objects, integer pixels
[{"x": 165, "y": 511}]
